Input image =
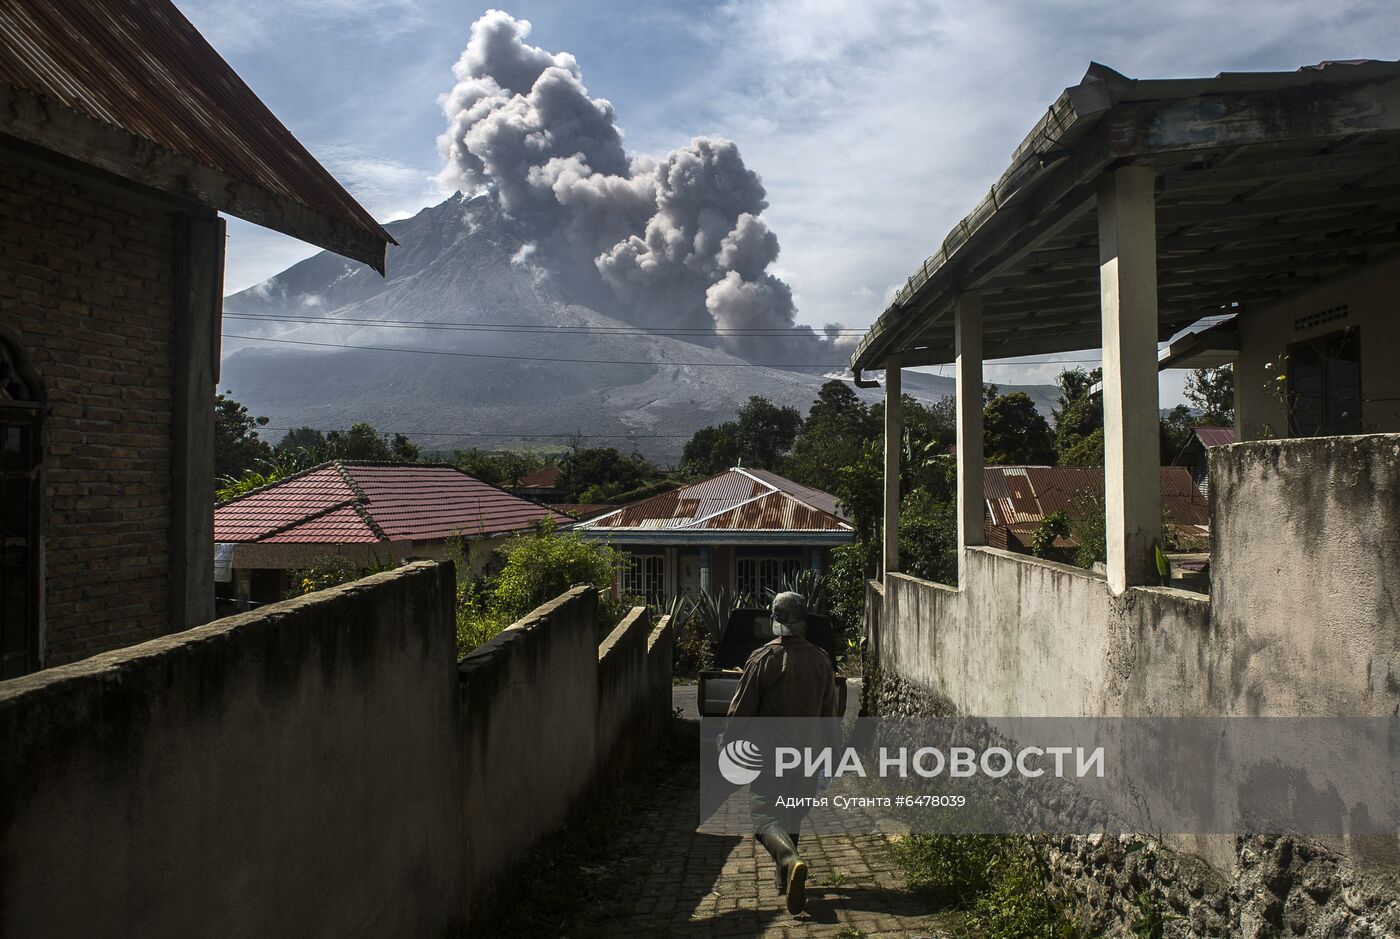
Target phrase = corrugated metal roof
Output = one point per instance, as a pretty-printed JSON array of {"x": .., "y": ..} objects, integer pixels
[
  {"x": 142, "y": 68},
  {"x": 813, "y": 497},
  {"x": 341, "y": 503},
  {"x": 1021, "y": 495},
  {"x": 737, "y": 500},
  {"x": 1215, "y": 436},
  {"x": 777, "y": 511}
]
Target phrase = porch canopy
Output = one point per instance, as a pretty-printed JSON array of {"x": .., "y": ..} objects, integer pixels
[{"x": 1132, "y": 210}]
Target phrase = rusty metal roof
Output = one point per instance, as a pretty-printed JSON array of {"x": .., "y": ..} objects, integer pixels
[
  {"x": 1215, "y": 436},
  {"x": 142, "y": 68},
  {"x": 1023, "y": 495},
  {"x": 736, "y": 500}
]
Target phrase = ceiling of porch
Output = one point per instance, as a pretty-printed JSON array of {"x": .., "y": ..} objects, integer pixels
[{"x": 1267, "y": 186}]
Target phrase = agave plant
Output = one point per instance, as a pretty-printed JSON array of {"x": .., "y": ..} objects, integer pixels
[
  {"x": 713, "y": 608},
  {"x": 811, "y": 584}
]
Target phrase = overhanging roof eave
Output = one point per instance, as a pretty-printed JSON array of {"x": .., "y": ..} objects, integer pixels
[
  {"x": 56, "y": 128},
  {"x": 1164, "y": 122}
]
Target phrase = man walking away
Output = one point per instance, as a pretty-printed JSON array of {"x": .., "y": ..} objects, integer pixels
[{"x": 787, "y": 677}]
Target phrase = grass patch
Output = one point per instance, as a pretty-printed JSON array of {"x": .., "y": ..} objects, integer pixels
[{"x": 996, "y": 879}]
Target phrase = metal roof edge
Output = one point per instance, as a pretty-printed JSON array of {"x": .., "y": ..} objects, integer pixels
[
  {"x": 112, "y": 149},
  {"x": 785, "y": 537}
]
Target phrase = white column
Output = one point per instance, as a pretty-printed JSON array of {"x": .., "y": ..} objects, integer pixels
[
  {"x": 967, "y": 338},
  {"x": 894, "y": 445},
  {"x": 1128, "y": 291}
]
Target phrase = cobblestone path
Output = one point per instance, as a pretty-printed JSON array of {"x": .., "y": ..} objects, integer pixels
[{"x": 663, "y": 878}]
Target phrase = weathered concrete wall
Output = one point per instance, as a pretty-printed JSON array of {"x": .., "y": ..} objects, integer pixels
[
  {"x": 1302, "y": 620},
  {"x": 549, "y": 719},
  {"x": 1307, "y": 573},
  {"x": 285, "y": 557},
  {"x": 284, "y": 772}
]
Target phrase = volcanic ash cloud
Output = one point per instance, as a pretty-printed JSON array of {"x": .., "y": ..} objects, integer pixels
[{"x": 673, "y": 243}]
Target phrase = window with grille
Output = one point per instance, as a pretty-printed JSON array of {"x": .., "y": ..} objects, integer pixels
[
  {"x": 19, "y": 519},
  {"x": 643, "y": 575},
  {"x": 1324, "y": 385},
  {"x": 757, "y": 576}
]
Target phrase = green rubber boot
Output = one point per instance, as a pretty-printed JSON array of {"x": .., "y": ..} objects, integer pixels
[{"x": 792, "y": 870}]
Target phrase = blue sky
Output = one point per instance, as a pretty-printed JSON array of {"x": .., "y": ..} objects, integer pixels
[{"x": 875, "y": 126}]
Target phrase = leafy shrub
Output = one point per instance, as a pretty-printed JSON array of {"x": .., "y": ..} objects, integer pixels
[
  {"x": 997, "y": 878},
  {"x": 953, "y": 869},
  {"x": 539, "y": 566},
  {"x": 331, "y": 570},
  {"x": 1052, "y": 526},
  {"x": 1017, "y": 905},
  {"x": 1089, "y": 529}
]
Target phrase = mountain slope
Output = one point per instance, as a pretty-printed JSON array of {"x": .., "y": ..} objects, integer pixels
[{"x": 461, "y": 264}]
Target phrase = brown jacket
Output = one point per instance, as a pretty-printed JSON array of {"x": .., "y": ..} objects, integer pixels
[{"x": 788, "y": 677}]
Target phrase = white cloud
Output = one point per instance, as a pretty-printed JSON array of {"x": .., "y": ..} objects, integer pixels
[
  {"x": 877, "y": 126},
  {"x": 254, "y": 24}
]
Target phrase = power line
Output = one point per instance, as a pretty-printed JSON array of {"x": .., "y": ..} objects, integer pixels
[
  {"x": 449, "y": 433},
  {"x": 538, "y": 358},
  {"x": 796, "y": 332}
]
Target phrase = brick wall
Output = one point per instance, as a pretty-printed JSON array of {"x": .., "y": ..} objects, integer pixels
[{"x": 86, "y": 279}]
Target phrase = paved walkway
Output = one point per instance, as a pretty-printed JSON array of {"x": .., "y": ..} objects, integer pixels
[{"x": 663, "y": 878}]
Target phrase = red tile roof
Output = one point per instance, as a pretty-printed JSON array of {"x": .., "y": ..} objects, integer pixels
[
  {"x": 346, "y": 503},
  {"x": 735, "y": 500},
  {"x": 547, "y": 478}
]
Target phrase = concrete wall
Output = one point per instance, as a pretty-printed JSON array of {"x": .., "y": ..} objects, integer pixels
[
  {"x": 550, "y": 717},
  {"x": 1302, "y": 617},
  {"x": 285, "y": 772},
  {"x": 285, "y": 557},
  {"x": 1305, "y": 574},
  {"x": 1370, "y": 296},
  {"x": 1302, "y": 620},
  {"x": 321, "y": 767}
]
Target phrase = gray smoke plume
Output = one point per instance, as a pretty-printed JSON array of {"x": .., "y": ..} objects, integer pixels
[{"x": 672, "y": 243}]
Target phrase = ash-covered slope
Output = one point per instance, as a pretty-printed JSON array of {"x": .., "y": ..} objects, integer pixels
[{"x": 461, "y": 265}]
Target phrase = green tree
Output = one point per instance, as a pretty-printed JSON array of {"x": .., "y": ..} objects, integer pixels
[
  {"x": 760, "y": 436},
  {"x": 833, "y": 435},
  {"x": 1015, "y": 433},
  {"x": 599, "y": 473},
  {"x": 237, "y": 447},
  {"x": 928, "y": 539},
  {"x": 1078, "y": 419},
  {"x": 363, "y": 442},
  {"x": 711, "y": 450},
  {"x": 766, "y": 432},
  {"x": 499, "y": 469},
  {"x": 303, "y": 438},
  {"x": 1212, "y": 392},
  {"x": 1176, "y": 432}
]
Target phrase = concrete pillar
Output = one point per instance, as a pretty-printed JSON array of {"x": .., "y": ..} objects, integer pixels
[
  {"x": 199, "y": 283},
  {"x": 894, "y": 446},
  {"x": 967, "y": 338},
  {"x": 669, "y": 576},
  {"x": 1128, "y": 290}
]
